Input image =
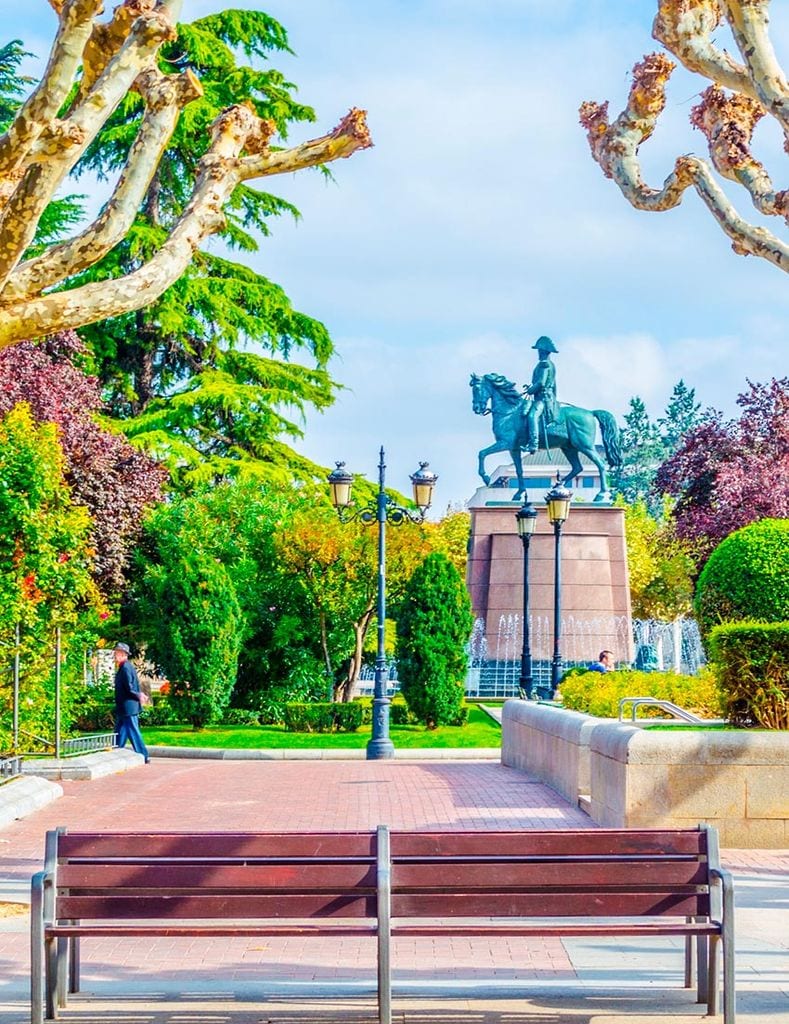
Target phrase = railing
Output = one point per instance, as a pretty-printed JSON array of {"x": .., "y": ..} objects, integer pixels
[
  {"x": 10, "y": 767},
  {"x": 84, "y": 744},
  {"x": 664, "y": 705}
]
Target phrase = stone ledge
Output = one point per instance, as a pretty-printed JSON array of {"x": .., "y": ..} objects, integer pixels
[
  {"x": 86, "y": 766},
  {"x": 24, "y": 795},
  {"x": 325, "y": 754}
]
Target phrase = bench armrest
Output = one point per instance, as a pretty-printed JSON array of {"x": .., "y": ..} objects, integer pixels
[{"x": 722, "y": 879}]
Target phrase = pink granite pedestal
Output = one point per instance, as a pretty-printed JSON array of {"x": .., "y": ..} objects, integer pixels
[{"x": 595, "y": 591}]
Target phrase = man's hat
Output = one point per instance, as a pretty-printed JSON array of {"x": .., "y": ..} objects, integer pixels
[
  {"x": 122, "y": 647},
  {"x": 544, "y": 344}
]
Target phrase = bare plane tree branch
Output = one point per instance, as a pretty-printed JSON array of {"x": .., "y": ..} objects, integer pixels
[
  {"x": 40, "y": 149},
  {"x": 757, "y": 88}
]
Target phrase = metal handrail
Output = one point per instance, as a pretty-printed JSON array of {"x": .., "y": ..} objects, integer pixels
[
  {"x": 664, "y": 705},
  {"x": 83, "y": 744},
  {"x": 10, "y": 767}
]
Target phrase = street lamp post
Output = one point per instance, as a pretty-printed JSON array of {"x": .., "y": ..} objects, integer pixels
[
  {"x": 557, "y": 501},
  {"x": 526, "y": 518},
  {"x": 382, "y": 511}
]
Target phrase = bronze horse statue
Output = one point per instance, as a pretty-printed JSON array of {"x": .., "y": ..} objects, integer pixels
[{"x": 573, "y": 432}]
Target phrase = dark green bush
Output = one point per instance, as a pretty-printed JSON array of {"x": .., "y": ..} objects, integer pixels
[
  {"x": 398, "y": 711},
  {"x": 433, "y": 626},
  {"x": 746, "y": 577},
  {"x": 752, "y": 661},
  {"x": 160, "y": 711},
  {"x": 334, "y": 717},
  {"x": 240, "y": 716},
  {"x": 599, "y": 693},
  {"x": 94, "y": 709}
]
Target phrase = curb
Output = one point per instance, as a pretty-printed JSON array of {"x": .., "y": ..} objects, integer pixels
[
  {"x": 326, "y": 754},
  {"x": 24, "y": 795},
  {"x": 87, "y": 766}
]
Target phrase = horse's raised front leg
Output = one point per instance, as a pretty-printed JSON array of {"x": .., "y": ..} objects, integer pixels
[{"x": 497, "y": 446}]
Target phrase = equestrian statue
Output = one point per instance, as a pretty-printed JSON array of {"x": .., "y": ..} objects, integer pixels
[{"x": 536, "y": 420}]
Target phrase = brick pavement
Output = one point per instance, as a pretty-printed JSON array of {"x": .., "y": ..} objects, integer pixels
[{"x": 293, "y": 795}]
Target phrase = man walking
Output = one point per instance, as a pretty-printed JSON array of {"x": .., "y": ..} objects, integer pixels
[{"x": 127, "y": 702}]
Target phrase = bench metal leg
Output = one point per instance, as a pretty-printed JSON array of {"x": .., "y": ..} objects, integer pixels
[
  {"x": 702, "y": 963},
  {"x": 62, "y": 971},
  {"x": 689, "y": 953},
  {"x": 37, "y": 949},
  {"x": 73, "y": 965},
  {"x": 384, "y": 877},
  {"x": 51, "y": 977},
  {"x": 713, "y": 981}
]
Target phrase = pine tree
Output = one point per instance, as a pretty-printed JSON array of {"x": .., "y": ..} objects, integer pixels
[
  {"x": 173, "y": 371},
  {"x": 434, "y": 624},
  {"x": 642, "y": 453},
  {"x": 683, "y": 414}
]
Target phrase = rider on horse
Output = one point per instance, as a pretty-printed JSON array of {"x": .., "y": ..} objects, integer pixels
[{"x": 542, "y": 391}]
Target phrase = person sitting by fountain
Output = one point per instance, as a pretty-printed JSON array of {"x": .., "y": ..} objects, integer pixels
[{"x": 604, "y": 663}]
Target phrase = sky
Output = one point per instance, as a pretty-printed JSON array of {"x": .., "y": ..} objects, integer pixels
[{"x": 479, "y": 221}]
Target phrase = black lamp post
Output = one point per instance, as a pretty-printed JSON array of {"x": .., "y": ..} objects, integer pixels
[
  {"x": 526, "y": 518},
  {"x": 557, "y": 501},
  {"x": 382, "y": 511}
]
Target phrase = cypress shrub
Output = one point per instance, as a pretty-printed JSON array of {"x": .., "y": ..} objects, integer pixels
[
  {"x": 752, "y": 661},
  {"x": 746, "y": 577},
  {"x": 434, "y": 623}
]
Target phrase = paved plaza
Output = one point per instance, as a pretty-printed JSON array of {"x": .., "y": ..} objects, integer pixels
[{"x": 437, "y": 981}]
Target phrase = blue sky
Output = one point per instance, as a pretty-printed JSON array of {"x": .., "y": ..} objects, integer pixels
[{"x": 479, "y": 221}]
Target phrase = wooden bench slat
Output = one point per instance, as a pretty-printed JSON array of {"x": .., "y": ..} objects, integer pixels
[
  {"x": 216, "y": 844},
  {"x": 561, "y": 904},
  {"x": 255, "y": 877},
  {"x": 510, "y": 875},
  {"x": 557, "y": 928},
  {"x": 601, "y": 842},
  {"x": 264, "y": 928},
  {"x": 228, "y": 907}
]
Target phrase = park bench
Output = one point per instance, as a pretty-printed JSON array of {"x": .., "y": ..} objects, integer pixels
[{"x": 593, "y": 882}]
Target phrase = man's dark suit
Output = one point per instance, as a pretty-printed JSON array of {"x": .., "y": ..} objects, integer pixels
[{"x": 127, "y": 708}]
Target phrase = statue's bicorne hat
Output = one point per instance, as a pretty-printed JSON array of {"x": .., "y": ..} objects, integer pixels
[{"x": 544, "y": 344}]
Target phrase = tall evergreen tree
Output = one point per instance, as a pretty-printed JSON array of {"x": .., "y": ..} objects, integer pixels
[
  {"x": 683, "y": 414},
  {"x": 173, "y": 372},
  {"x": 642, "y": 453},
  {"x": 434, "y": 624}
]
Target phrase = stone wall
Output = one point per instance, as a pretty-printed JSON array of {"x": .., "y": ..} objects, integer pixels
[
  {"x": 554, "y": 748},
  {"x": 737, "y": 781}
]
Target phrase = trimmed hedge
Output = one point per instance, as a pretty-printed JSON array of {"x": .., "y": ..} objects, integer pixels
[
  {"x": 752, "y": 661},
  {"x": 746, "y": 577},
  {"x": 334, "y": 717},
  {"x": 240, "y": 716},
  {"x": 398, "y": 711},
  {"x": 599, "y": 693}
]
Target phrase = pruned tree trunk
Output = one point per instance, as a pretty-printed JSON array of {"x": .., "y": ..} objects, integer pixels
[
  {"x": 758, "y": 87},
  {"x": 44, "y": 143}
]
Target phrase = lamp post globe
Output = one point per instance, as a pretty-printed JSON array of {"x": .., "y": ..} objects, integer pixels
[
  {"x": 557, "y": 502},
  {"x": 526, "y": 520}
]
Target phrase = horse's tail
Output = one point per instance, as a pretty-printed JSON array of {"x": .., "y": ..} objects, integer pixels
[{"x": 610, "y": 432}]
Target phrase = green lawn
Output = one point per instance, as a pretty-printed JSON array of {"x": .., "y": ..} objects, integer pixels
[{"x": 481, "y": 731}]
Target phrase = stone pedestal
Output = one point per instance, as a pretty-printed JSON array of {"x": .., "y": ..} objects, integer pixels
[{"x": 595, "y": 590}]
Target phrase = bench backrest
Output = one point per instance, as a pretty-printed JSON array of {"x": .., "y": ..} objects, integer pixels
[
  {"x": 171, "y": 876},
  {"x": 594, "y": 872},
  {"x": 213, "y": 875}
]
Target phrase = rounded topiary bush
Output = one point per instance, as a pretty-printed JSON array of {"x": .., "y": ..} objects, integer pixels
[{"x": 746, "y": 577}]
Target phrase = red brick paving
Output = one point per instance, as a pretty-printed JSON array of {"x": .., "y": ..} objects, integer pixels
[{"x": 292, "y": 795}]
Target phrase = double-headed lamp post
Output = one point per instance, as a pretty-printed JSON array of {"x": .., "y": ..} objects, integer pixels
[
  {"x": 382, "y": 511},
  {"x": 526, "y": 518},
  {"x": 557, "y": 501}
]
